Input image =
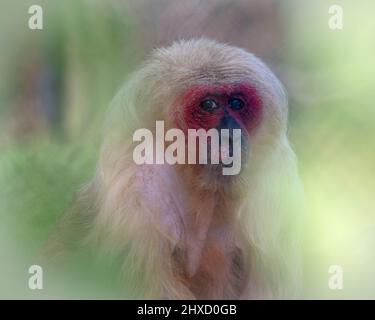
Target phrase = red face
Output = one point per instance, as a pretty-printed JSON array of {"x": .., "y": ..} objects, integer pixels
[{"x": 205, "y": 106}]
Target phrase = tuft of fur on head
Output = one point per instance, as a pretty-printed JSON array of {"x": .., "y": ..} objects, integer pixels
[{"x": 141, "y": 213}]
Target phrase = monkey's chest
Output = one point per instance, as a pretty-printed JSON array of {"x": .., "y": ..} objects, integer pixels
[{"x": 219, "y": 272}]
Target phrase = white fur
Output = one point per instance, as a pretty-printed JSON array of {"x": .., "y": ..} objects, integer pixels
[{"x": 142, "y": 210}]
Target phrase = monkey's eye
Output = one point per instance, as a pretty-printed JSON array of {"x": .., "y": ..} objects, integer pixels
[
  {"x": 236, "y": 103},
  {"x": 209, "y": 105}
]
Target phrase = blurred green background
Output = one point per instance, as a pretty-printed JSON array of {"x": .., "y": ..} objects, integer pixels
[{"x": 56, "y": 84}]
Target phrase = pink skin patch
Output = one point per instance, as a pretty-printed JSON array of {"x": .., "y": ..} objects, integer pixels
[{"x": 195, "y": 117}]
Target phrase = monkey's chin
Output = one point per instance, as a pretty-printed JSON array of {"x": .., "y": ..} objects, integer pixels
[
  {"x": 219, "y": 169},
  {"x": 211, "y": 177}
]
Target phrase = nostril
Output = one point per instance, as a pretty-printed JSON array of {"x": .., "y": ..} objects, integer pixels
[{"x": 228, "y": 122}]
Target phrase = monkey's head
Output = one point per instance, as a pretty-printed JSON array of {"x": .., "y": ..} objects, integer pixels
[{"x": 202, "y": 84}]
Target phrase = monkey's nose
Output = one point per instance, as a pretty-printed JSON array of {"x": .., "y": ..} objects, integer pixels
[{"x": 229, "y": 123}]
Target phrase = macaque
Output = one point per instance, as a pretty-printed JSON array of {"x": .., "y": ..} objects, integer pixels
[{"x": 187, "y": 231}]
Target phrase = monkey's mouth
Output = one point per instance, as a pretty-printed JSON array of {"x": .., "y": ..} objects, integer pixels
[{"x": 228, "y": 152}]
